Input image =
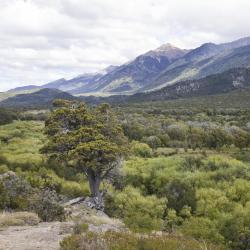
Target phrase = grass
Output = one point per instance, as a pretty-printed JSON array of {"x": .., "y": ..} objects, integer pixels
[
  {"x": 20, "y": 142},
  {"x": 18, "y": 219}
]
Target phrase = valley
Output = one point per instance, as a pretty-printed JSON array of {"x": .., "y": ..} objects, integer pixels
[{"x": 159, "y": 159}]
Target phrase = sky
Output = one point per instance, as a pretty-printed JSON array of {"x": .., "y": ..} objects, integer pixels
[{"x": 44, "y": 40}]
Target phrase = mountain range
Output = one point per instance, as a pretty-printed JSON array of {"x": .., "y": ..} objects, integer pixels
[
  {"x": 236, "y": 79},
  {"x": 162, "y": 71}
]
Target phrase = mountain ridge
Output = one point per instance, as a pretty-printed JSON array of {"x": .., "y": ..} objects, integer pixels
[
  {"x": 42, "y": 98},
  {"x": 221, "y": 83},
  {"x": 156, "y": 69}
]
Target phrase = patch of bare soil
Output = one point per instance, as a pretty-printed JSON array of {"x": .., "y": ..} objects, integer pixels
[
  {"x": 47, "y": 235},
  {"x": 44, "y": 236}
]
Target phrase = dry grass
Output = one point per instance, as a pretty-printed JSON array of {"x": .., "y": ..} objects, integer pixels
[
  {"x": 18, "y": 219},
  {"x": 101, "y": 220}
]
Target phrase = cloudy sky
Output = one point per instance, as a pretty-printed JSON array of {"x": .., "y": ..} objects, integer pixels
[{"x": 43, "y": 40}]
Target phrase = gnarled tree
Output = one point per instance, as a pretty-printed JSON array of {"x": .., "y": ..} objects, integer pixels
[{"x": 90, "y": 139}]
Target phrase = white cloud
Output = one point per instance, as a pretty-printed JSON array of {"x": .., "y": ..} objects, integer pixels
[{"x": 44, "y": 40}]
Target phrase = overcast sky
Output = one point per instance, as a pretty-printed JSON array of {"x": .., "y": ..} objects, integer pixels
[{"x": 43, "y": 40}]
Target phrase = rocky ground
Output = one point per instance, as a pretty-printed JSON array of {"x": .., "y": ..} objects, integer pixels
[
  {"x": 47, "y": 235},
  {"x": 44, "y": 236}
]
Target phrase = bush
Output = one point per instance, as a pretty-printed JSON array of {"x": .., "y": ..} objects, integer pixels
[
  {"x": 214, "y": 163},
  {"x": 177, "y": 132},
  {"x": 72, "y": 242},
  {"x": 80, "y": 228},
  {"x": 6, "y": 116},
  {"x": 152, "y": 174},
  {"x": 3, "y": 169},
  {"x": 164, "y": 139},
  {"x": 14, "y": 192},
  {"x": 192, "y": 163},
  {"x": 83, "y": 242},
  {"x": 179, "y": 194},
  {"x": 202, "y": 228},
  {"x": 141, "y": 149},
  {"x": 140, "y": 213},
  {"x": 74, "y": 189},
  {"x": 46, "y": 205},
  {"x": 165, "y": 152},
  {"x": 17, "y": 194},
  {"x": 212, "y": 202},
  {"x": 128, "y": 241},
  {"x": 153, "y": 141}
]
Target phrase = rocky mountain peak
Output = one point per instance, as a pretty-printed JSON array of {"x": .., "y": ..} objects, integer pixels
[
  {"x": 167, "y": 47},
  {"x": 167, "y": 50}
]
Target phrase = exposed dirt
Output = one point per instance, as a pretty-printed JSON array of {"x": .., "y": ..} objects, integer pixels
[
  {"x": 44, "y": 236},
  {"x": 47, "y": 235}
]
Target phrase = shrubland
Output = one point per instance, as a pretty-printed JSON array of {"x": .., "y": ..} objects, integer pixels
[{"x": 185, "y": 174}]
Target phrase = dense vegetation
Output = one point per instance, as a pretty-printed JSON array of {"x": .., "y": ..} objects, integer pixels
[
  {"x": 6, "y": 116},
  {"x": 187, "y": 174}
]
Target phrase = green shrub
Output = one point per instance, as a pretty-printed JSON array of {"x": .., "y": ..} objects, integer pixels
[
  {"x": 202, "y": 228},
  {"x": 192, "y": 163},
  {"x": 74, "y": 189},
  {"x": 46, "y": 205},
  {"x": 180, "y": 193},
  {"x": 3, "y": 169},
  {"x": 153, "y": 141},
  {"x": 14, "y": 192},
  {"x": 151, "y": 175},
  {"x": 129, "y": 241},
  {"x": 243, "y": 156},
  {"x": 6, "y": 116},
  {"x": 80, "y": 228},
  {"x": 89, "y": 241},
  {"x": 211, "y": 202},
  {"x": 72, "y": 242},
  {"x": 165, "y": 139},
  {"x": 177, "y": 132},
  {"x": 214, "y": 163},
  {"x": 141, "y": 149},
  {"x": 140, "y": 213},
  {"x": 159, "y": 152}
]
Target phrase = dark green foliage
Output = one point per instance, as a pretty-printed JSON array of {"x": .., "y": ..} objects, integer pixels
[
  {"x": 6, "y": 116},
  {"x": 91, "y": 140},
  {"x": 179, "y": 194}
]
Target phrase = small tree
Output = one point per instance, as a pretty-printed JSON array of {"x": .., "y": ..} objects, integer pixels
[{"x": 90, "y": 139}]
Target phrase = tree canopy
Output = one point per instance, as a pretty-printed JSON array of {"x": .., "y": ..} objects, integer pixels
[{"x": 90, "y": 139}]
